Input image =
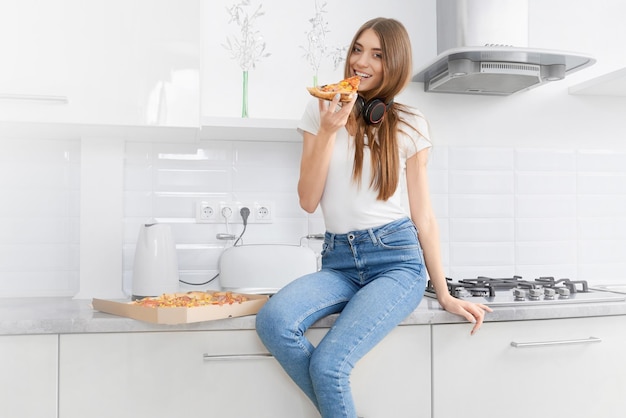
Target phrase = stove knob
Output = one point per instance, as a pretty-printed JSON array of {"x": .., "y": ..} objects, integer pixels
[
  {"x": 563, "y": 292},
  {"x": 534, "y": 294},
  {"x": 549, "y": 293},
  {"x": 519, "y": 294}
]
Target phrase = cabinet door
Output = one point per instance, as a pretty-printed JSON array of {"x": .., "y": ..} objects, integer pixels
[
  {"x": 393, "y": 380},
  {"x": 28, "y": 382},
  {"x": 100, "y": 62},
  {"x": 172, "y": 374},
  {"x": 544, "y": 369}
]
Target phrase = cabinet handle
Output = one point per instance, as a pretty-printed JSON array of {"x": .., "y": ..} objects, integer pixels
[
  {"x": 560, "y": 342},
  {"x": 229, "y": 357},
  {"x": 35, "y": 98}
]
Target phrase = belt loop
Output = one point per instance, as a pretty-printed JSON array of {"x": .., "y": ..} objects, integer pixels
[
  {"x": 331, "y": 241},
  {"x": 372, "y": 236}
]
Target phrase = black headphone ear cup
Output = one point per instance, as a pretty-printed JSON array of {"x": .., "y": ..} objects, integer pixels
[
  {"x": 360, "y": 103},
  {"x": 374, "y": 111}
]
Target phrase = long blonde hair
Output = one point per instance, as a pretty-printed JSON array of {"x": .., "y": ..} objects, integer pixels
[{"x": 382, "y": 138}]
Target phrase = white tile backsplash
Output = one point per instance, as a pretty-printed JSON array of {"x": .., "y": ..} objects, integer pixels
[
  {"x": 472, "y": 158},
  {"x": 482, "y": 253},
  {"x": 545, "y": 229},
  {"x": 438, "y": 180},
  {"x": 545, "y": 160},
  {"x": 481, "y": 182},
  {"x": 482, "y": 230},
  {"x": 165, "y": 181},
  {"x": 601, "y": 183},
  {"x": 613, "y": 205},
  {"x": 545, "y": 252},
  {"x": 602, "y": 228},
  {"x": 39, "y": 217},
  {"x": 545, "y": 206},
  {"x": 545, "y": 183},
  {"x": 601, "y": 161},
  {"x": 481, "y": 206},
  {"x": 501, "y": 210},
  {"x": 601, "y": 251}
]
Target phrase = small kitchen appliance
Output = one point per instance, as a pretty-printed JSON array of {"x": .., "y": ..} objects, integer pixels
[
  {"x": 155, "y": 269},
  {"x": 515, "y": 291},
  {"x": 264, "y": 268}
]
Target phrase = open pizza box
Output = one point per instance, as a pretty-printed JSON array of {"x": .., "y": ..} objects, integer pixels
[{"x": 181, "y": 315}]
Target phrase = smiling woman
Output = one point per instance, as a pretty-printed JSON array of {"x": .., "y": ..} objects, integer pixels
[{"x": 374, "y": 263}]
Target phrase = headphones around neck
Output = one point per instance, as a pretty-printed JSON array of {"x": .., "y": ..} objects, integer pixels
[{"x": 373, "y": 110}]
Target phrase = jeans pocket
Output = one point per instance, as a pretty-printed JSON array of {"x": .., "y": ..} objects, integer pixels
[{"x": 400, "y": 239}]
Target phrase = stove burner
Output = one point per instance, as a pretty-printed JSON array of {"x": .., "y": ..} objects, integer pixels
[{"x": 515, "y": 290}]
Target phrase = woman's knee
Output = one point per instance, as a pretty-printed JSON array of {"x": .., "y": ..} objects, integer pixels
[
  {"x": 265, "y": 324},
  {"x": 328, "y": 365}
]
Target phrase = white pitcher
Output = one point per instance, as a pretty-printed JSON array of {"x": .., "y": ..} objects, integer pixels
[{"x": 155, "y": 269}]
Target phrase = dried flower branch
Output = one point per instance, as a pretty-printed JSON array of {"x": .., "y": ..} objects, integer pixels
[
  {"x": 250, "y": 46},
  {"x": 316, "y": 38},
  {"x": 317, "y": 49}
]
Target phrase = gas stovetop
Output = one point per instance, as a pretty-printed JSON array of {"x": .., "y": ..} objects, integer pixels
[{"x": 518, "y": 291}]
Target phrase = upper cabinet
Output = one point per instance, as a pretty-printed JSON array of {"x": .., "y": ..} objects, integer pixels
[
  {"x": 100, "y": 62},
  {"x": 611, "y": 84}
]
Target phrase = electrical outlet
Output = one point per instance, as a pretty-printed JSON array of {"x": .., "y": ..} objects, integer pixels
[
  {"x": 228, "y": 211},
  {"x": 263, "y": 212},
  {"x": 206, "y": 212},
  {"x": 240, "y": 205}
]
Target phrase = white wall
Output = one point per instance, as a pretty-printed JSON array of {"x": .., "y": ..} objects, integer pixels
[
  {"x": 529, "y": 184},
  {"x": 277, "y": 84}
]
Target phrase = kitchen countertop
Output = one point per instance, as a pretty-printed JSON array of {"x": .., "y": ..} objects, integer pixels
[{"x": 20, "y": 316}]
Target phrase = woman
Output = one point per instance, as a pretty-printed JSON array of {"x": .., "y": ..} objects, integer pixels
[{"x": 374, "y": 267}]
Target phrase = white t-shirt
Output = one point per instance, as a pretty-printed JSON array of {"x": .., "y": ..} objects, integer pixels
[{"x": 346, "y": 205}]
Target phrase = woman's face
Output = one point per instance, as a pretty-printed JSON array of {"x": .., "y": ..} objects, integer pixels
[{"x": 366, "y": 60}]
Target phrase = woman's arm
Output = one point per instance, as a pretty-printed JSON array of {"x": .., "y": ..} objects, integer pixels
[
  {"x": 317, "y": 151},
  {"x": 424, "y": 219}
]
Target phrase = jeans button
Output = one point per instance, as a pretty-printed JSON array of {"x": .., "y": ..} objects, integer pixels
[{"x": 350, "y": 237}]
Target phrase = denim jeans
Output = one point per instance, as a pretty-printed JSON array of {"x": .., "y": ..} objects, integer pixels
[{"x": 375, "y": 278}]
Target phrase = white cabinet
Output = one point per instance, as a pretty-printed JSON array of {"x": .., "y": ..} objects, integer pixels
[
  {"x": 551, "y": 368},
  {"x": 393, "y": 380},
  {"x": 100, "y": 62},
  {"x": 226, "y": 374},
  {"x": 611, "y": 84},
  {"x": 28, "y": 381},
  {"x": 168, "y": 374}
]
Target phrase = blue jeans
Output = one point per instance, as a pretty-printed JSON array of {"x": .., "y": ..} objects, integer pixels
[{"x": 375, "y": 278}]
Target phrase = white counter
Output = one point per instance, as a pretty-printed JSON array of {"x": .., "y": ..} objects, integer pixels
[{"x": 19, "y": 316}]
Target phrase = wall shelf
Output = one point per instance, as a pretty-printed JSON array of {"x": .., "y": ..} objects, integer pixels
[
  {"x": 224, "y": 129},
  {"x": 245, "y": 129},
  {"x": 46, "y": 130},
  {"x": 611, "y": 84}
]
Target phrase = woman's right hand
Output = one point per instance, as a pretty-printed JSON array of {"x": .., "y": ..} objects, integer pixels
[{"x": 334, "y": 114}]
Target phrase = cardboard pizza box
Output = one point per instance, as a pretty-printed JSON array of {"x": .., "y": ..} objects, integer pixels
[{"x": 180, "y": 315}]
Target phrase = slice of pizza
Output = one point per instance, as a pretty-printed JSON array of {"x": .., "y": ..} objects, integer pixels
[{"x": 345, "y": 87}]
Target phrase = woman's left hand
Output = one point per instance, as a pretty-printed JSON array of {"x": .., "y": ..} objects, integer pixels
[{"x": 473, "y": 312}]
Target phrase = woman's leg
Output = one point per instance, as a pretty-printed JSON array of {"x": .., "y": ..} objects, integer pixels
[
  {"x": 370, "y": 315},
  {"x": 286, "y": 316}
]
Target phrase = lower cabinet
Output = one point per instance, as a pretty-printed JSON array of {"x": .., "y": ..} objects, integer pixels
[
  {"x": 28, "y": 377},
  {"x": 226, "y": 374},
  {"x": 571, "y": 368},
  {"x": 542, "y": 368},
  {"x": 393, "y": 380}
]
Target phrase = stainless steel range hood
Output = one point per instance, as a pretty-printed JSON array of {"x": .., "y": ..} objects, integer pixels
[{"x": 498, "y": 67}]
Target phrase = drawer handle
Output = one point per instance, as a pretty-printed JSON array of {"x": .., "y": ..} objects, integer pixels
[
  {"x": 229, "y": 357},
  {"x": 560, "y": 342},
  {"x": 35, "y": 98}
]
